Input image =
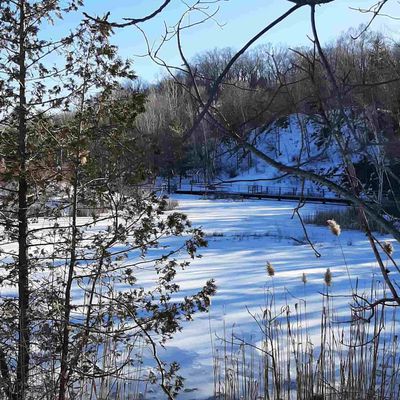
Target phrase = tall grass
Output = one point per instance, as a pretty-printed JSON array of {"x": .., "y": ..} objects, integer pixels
[
  {"x": 129, "y": 381},
  {"x": 355, "y": 359},
  {"x": 172, "y": 204},
  {"x": 346, "y": 217}
]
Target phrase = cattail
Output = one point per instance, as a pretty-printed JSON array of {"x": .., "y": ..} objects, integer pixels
[
  {"x": 270, "y": 269},
  {"x": 304, "y": 278},
  {"x": 328, "y": 277},
  {"x": 334, "y": 227},
  {"x": 388, "y": 247}
]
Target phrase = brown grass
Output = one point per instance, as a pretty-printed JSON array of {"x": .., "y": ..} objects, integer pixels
[
  {"x": 346, "y": 217},
  {"x": 357, "y": 360}
]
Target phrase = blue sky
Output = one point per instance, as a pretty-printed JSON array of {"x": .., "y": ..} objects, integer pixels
[{"x": 241, "y": 19}]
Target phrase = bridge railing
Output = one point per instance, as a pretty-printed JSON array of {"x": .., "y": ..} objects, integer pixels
[
  {"x": 288, "y": 191},
  {"x": 254, "y": 189}
]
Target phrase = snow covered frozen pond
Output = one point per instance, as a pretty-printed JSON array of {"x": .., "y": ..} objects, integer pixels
[{"x": 242, "y": 237}]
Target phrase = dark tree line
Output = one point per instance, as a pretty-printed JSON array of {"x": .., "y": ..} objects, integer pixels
[{"x": 269, "y": 84}]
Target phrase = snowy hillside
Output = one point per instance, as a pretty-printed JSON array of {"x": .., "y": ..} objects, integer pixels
[{"x": 295, "y": 141}]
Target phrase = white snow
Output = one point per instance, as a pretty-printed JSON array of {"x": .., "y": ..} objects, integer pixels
[
  {"x": 243, "y": 236},
  {"x": 298, "y": 142}
]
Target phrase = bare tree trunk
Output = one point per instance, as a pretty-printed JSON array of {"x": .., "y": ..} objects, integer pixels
[
  {"x": 23, "y": 267},
  {"x": 67, "y": 300},
  {"x": 5, "y": 375},
  {"x": 64, "y": 378}
]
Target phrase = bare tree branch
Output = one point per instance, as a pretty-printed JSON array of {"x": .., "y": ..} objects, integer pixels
[
  {"x": 129, "y": 21},
  {"x": 375, "y": 10},
  {"x": 228, "y": 66}
]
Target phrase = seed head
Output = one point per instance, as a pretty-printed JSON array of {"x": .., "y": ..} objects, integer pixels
[
  {"x": 388, "y": 247},
  {"x": 270, "y": 269},
  {"x": 304, "y": 278},
  {"x": 328, "y": 277},
  {"x": 334, "y": 227}
]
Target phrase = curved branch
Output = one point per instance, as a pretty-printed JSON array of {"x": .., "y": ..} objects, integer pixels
[
  {"x": 375, "y": 10},
  {"x": 130, "y": 21}
]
